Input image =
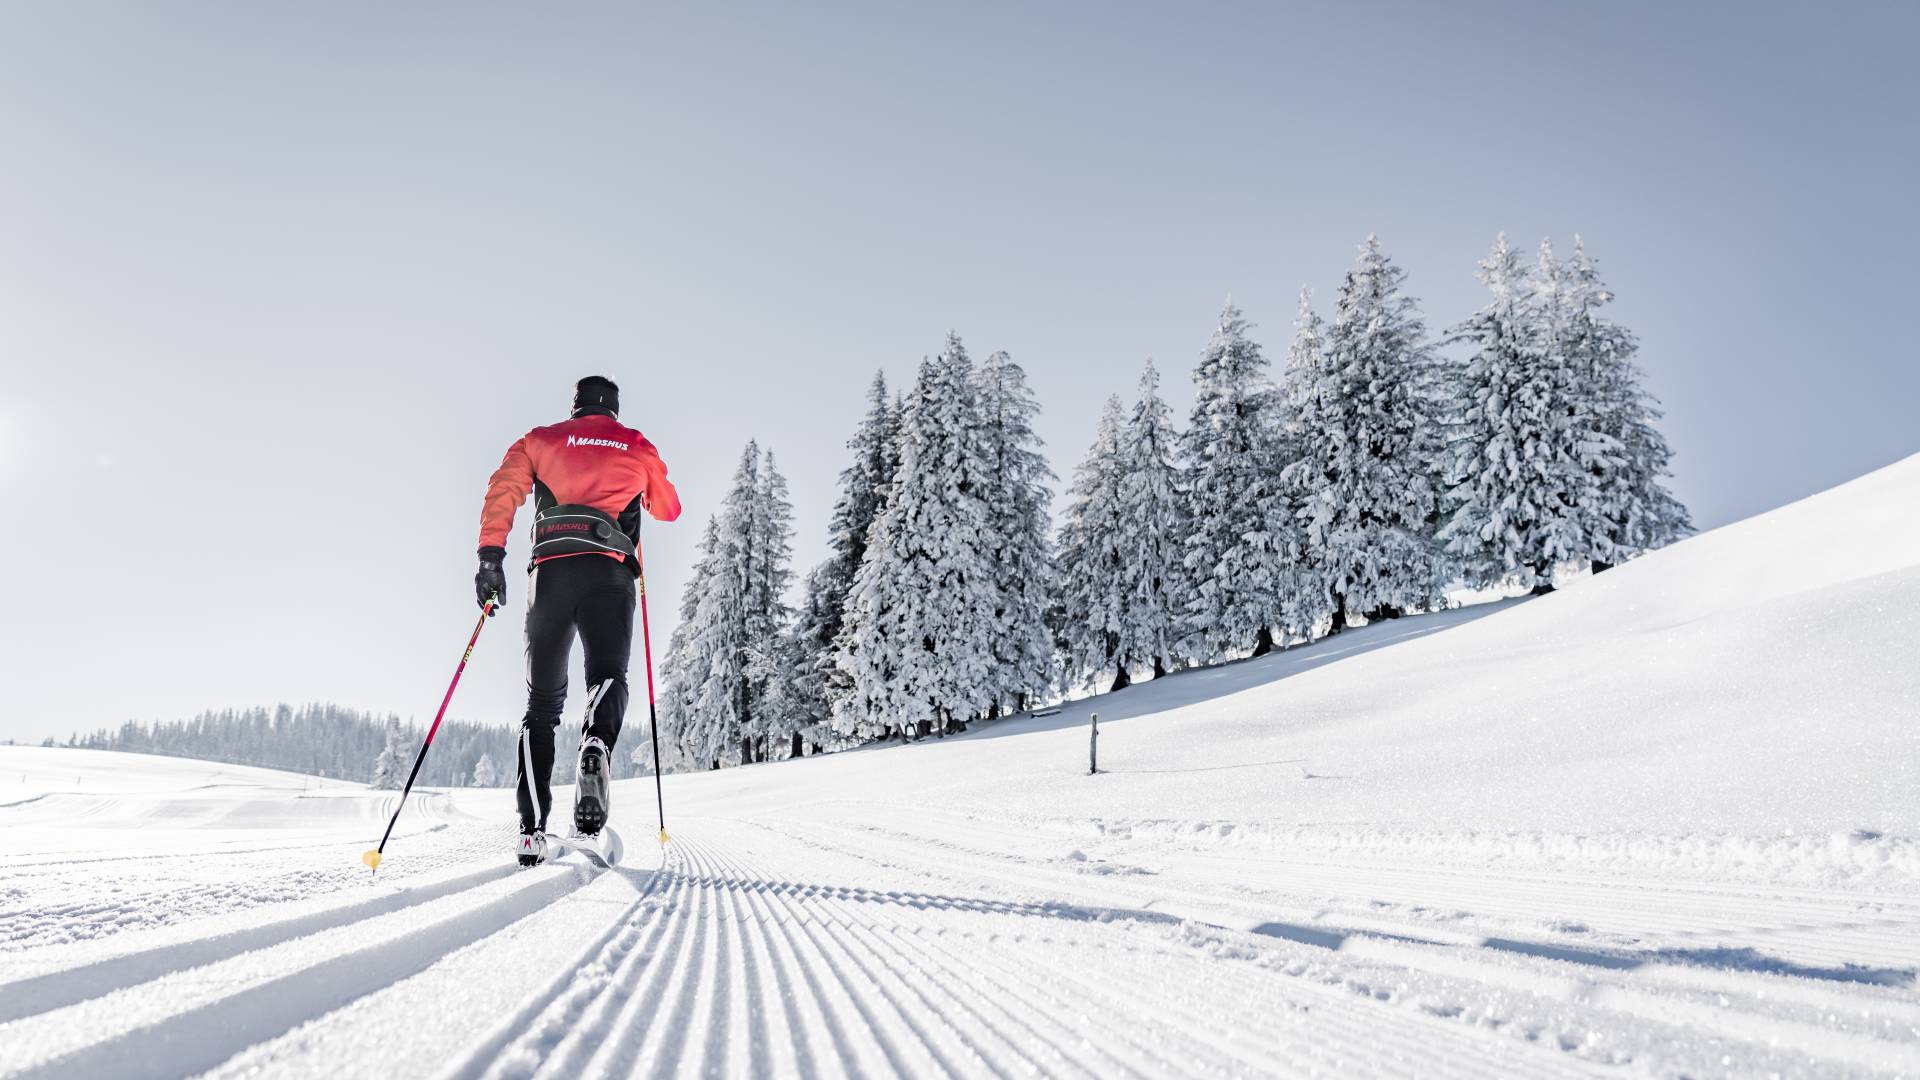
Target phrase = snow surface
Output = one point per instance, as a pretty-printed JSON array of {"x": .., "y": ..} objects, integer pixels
[{"x": 1663, "y": 822}]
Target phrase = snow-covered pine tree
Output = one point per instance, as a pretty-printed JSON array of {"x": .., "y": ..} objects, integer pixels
[
  {"x": 736, "y": 646},
  {"x": 1236, "y": 559},
  {"x": 1368, "y": 449},
  {"x": 485, "y": 772},
  {"x": 917, "y": 645},
  {"x": 680, "y": 672},
  {"x": 1093, "y": 589},
  {"x": 390, "y": 768},
  {"x": 773, "y": 657},
  {"x": 1154, "y": 529},
  {"x": 820, "y": 604},
  {"x": 722, "y": 706},
  {"x": 1627, "y": 508},
  {"x": 863, "y": 495},
  {"x": 1513, "y": 438},
  {"x": 1309, "y": 601},
  {"x": 1017, "y": 526}
]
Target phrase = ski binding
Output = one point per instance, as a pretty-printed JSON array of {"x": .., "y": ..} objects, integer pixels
[{"x": 603, "y": 850}]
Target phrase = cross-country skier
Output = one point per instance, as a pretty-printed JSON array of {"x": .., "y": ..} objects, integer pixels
[{"x": 590, "y": 477}]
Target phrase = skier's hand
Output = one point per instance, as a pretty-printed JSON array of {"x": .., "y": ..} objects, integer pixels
[{"x": 490, "y": 582}]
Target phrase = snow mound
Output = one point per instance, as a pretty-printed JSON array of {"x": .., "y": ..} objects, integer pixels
[{"x": 104, "y": 800}]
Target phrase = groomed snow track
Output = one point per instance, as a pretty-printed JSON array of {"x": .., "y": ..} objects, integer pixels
[{"x": 830, "y": 947}]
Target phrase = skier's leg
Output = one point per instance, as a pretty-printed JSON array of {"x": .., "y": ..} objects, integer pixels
[
  {"x": 549, "y": 645},
  {"x": 605, "y": 619}
]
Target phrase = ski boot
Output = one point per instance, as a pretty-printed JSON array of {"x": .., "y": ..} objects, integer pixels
[
  {"x": 531, "y": 848},
  {"x": 591, "y": 798}
]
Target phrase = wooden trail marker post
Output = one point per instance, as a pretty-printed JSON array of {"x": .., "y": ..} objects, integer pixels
[{"x": 1093, "y": 747}]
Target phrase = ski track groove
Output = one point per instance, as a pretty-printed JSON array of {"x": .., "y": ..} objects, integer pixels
[
  {"x": 808, "y": 1059},
  {"x": 1053, "y": 1007},
  {"x": 949, "y": 965},
  {"x": 41, "y": 993},
  {"x": 974, "y": 977},
  {"x": 1115, "y": 1034},
  {"x": 908, "y": 975},
  {"x": 1116, "y": 1007},
  {"x": 1028, "y": 875},
  {"x": 888, "y": 974},
  {"x": 921, "y": 981},
  {"x": 853, "y": 1023},
  {"x": 631, "y": 1019},
  {"x": 528, "y": 1026},
  {"x": 937, "y": 1040},
  {"x": 747, "y": 997},
  {"x": 1364, "y": 1029},
  {"x": 221, "y": 1010},
  {"x": 905, "y": 1048},
  {"x": 1251, "y": 1001},
  {"x": 586, "y": 1013},
  {"x": 1614, "y": 996}
]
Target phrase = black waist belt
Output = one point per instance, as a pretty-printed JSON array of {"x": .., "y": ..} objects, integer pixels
[{"x": 578, "y": 530}]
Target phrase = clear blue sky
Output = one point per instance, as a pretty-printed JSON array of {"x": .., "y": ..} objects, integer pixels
[{"x": 278, "y": 283}]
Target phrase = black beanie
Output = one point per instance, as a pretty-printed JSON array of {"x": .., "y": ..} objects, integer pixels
[{"x": 596, "y": 391}]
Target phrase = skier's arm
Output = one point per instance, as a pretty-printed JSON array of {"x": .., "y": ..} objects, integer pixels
[
  {"x": 658, "y": 495},
  {"x": 506, "y": 490}
]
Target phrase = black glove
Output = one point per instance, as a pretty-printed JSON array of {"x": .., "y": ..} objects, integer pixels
[{"x": 490, "y": 583}]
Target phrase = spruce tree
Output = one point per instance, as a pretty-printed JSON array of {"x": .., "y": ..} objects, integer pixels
[
  {"x": 863, "y": 494},
  {"x": 1236, "y": 558},
  {"x": 680, "y": 672},
  {"x": 1154, "y": 526},
  {"x": 1093, "y": 589},
  {"x": 821, "y": 602},
  {"x": 917, "y": 645},
  {"x": 390, "y": 768},
  {"x": 1628, "y": 509},
  {"x": 1306, "y": 414},
  {"x": 864, "y": 485},
  {"x": 1369, "y": 454},
  {"x": 732, "y": 690},
  {"x": 1514, "y": 435},
  {"x": 1017, "y": 501},
  {"x": 773, "y": 659},
  {"x": 485, "y": 772}
]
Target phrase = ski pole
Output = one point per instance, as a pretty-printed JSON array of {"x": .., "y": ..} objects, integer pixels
[
  {"x": 372, "y": 858},
  {"x": 653, "y": 713}
]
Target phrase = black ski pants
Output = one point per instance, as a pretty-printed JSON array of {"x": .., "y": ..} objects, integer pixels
[{"x": 593, "y": 596}]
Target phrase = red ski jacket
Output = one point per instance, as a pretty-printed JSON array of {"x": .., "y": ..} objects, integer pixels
[{"x": 590, "y": 460}]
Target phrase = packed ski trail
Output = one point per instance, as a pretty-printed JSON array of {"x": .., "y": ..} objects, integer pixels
[
  {"x": 962, "y": 947},
  {"x": 1632, "y": 829}
]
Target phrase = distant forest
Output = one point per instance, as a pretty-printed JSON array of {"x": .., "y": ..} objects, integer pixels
[{"x": 331, "y": 741}]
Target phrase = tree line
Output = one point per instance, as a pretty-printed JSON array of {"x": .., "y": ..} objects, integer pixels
[
  {"x": 332, "y": 741},
  {"x": 1379, "y": 469}
]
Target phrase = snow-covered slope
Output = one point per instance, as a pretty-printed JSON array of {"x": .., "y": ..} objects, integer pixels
[
  {"x": 102, "y": 801},
  {"x": 1660, "y": 823},
  {"x": 1743, "y": 704}
]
